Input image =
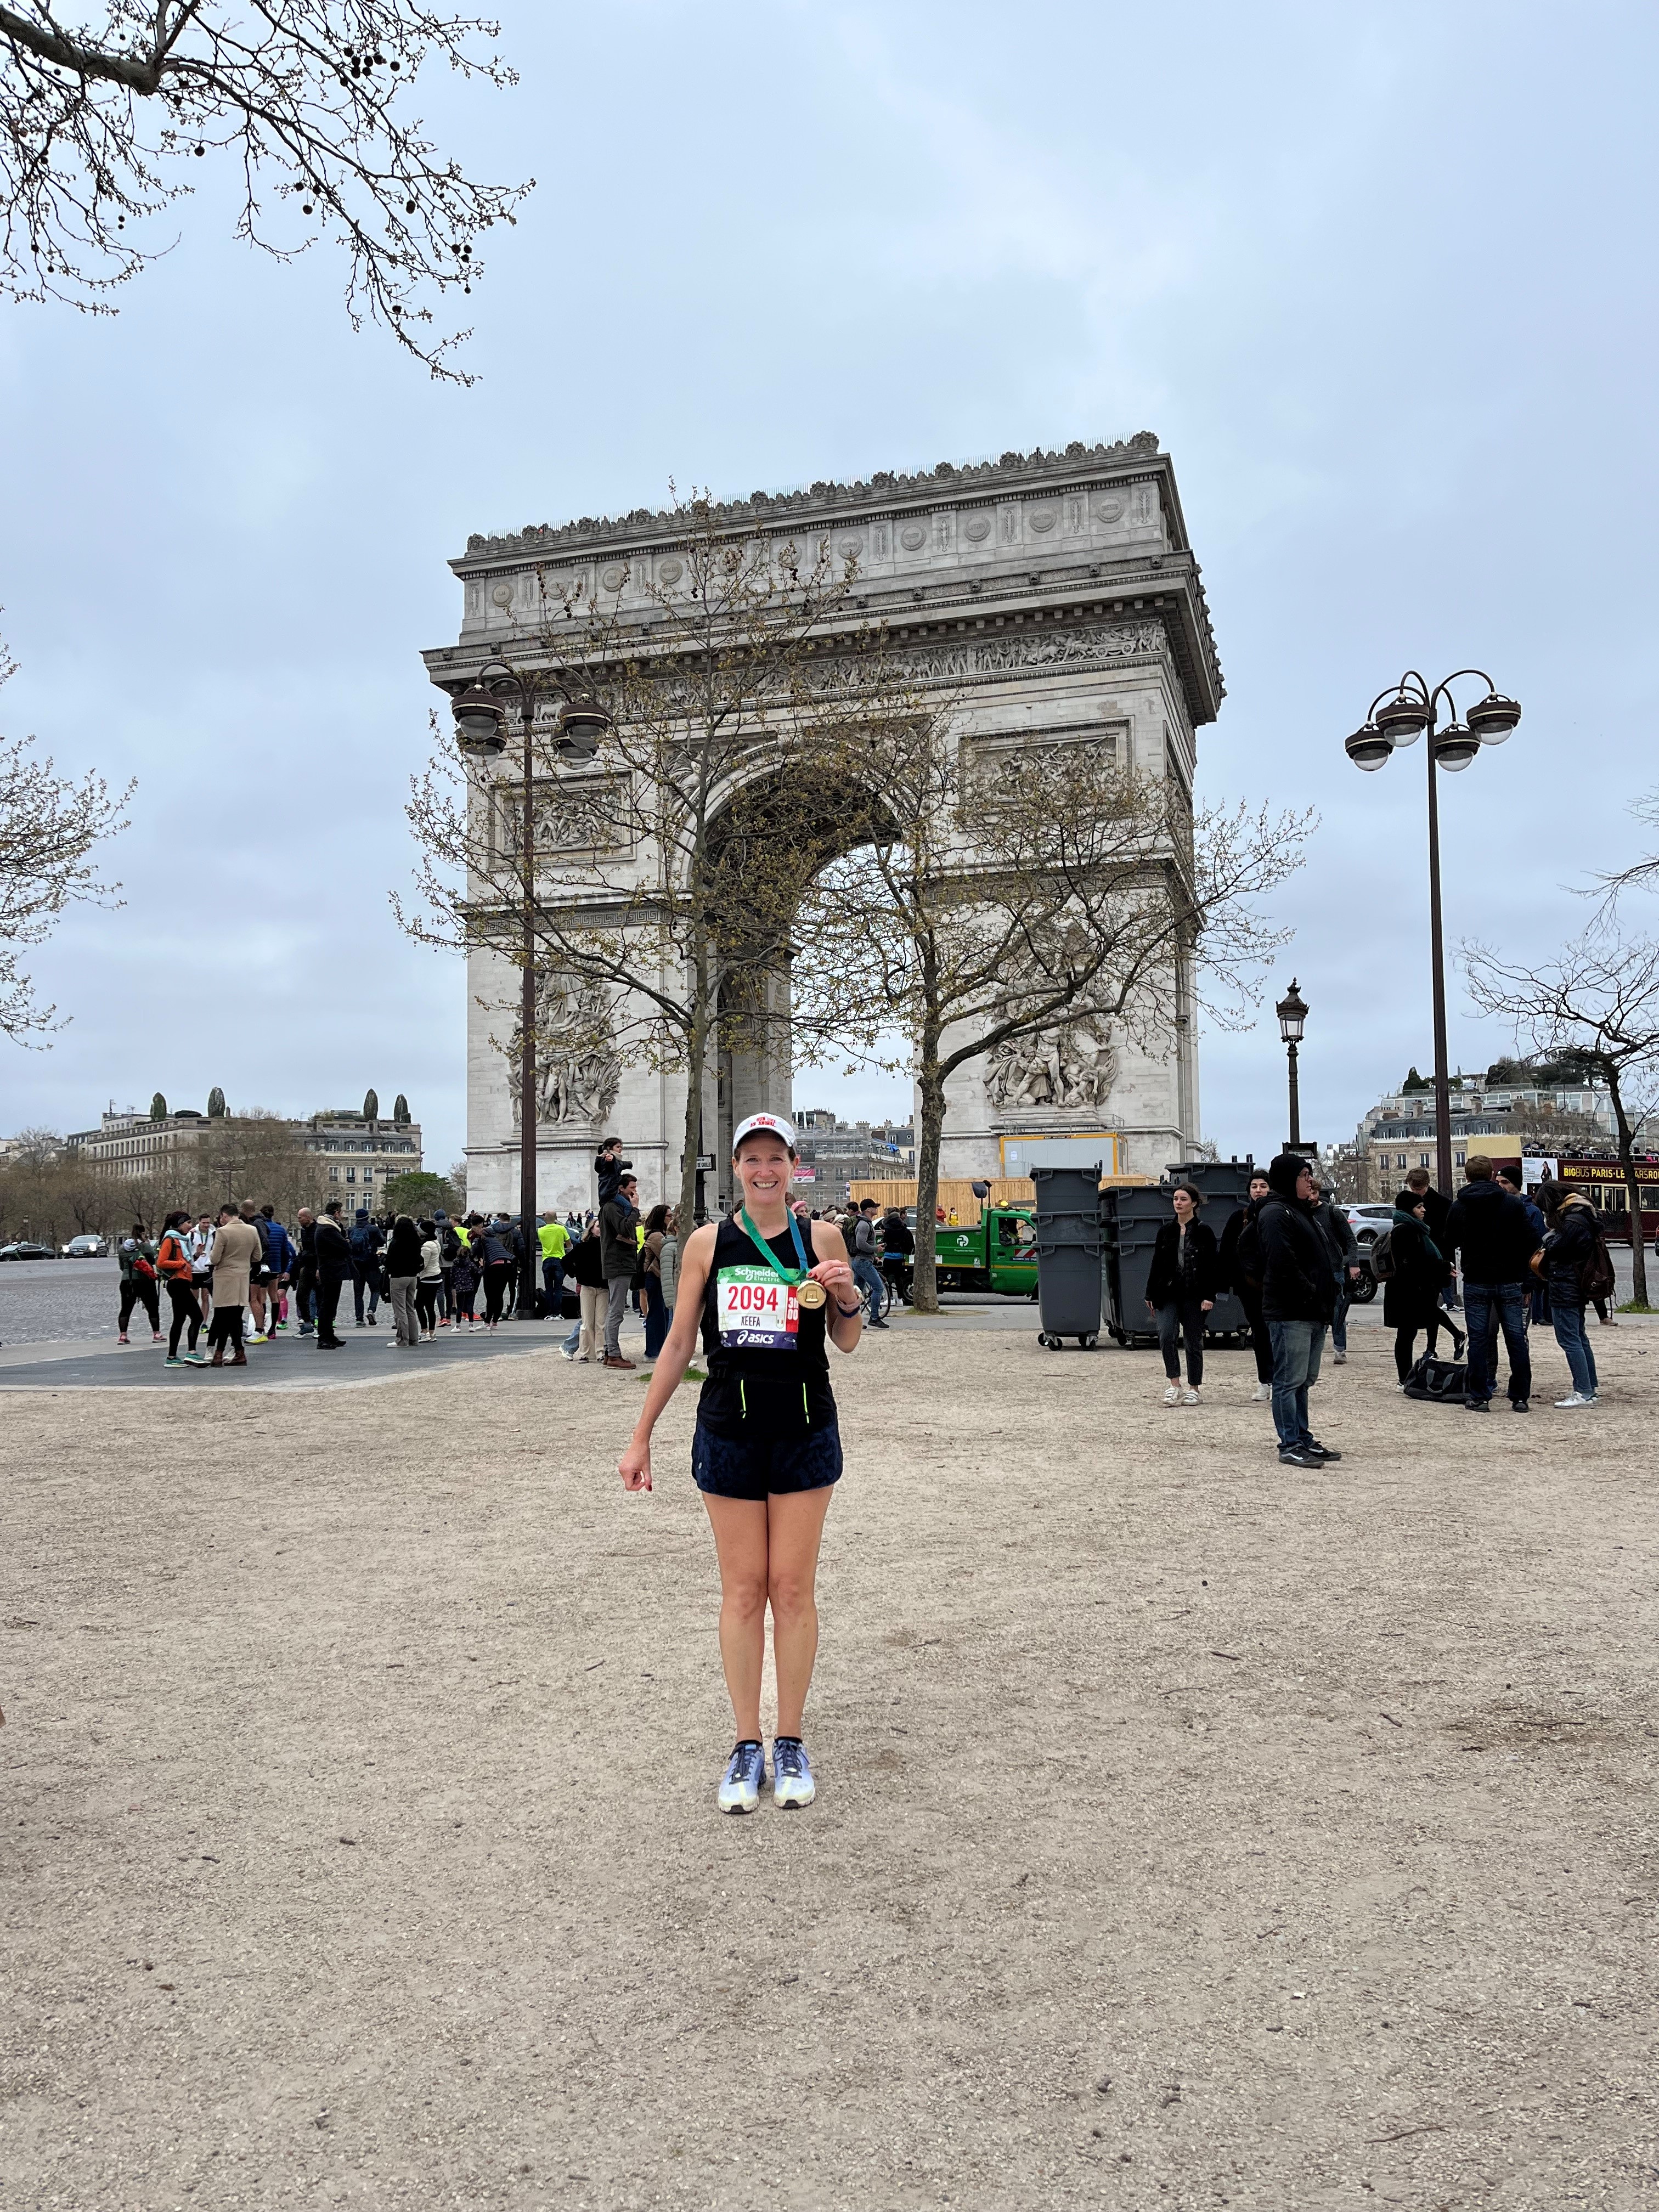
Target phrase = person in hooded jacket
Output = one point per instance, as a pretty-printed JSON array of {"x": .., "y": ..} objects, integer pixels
[
  {"x": 1411, "y": 1295},
  {"x": 1488, "y": 1231},
  {"x": 1241, "y": 1270},
  {"x": 1298, "y": 1295},
  {"x": 403, "y": 1269},
  {"x": 1569, "y": 1248},
  {"x": 1337, "y": 1230}
]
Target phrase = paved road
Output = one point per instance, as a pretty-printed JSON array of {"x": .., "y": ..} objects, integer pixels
[{"x": 47, "y": 1301}]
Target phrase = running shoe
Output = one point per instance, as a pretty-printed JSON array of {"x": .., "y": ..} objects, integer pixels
[
  {"x": 1573, "y": 1398},
  {"x": 1172, "y": 1395},
  {"x": 791, "y": 1774},
  {"x": 1340, "y": 1358},
  {"x": 1262, "y": 1394},
  {"x": 172, "y": 1363},
  {"x": 740, "y": 1785},
  {"x": 1190, "y": 1398},
  {"x": 1312, "y": 1449}
]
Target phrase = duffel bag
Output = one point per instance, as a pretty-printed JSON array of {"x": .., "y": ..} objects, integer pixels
[{"x": 1444, "y": 1382}]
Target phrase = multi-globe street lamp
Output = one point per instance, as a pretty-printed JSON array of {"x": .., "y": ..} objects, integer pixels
[
  {"x": 1396, "y": 718},
  {"x": 1292, "y": 1014},
  {"x": 481, "y": 713}
]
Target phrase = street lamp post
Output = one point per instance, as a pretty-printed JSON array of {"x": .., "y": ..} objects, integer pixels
[
  {"x": 1292, "y": 1021},
  {"x": 480, "y": 720},
  {"x": 1396, "y": 718}
]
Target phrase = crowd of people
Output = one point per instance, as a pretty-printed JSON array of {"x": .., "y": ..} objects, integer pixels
[{"x": 1290, "y": 1254}]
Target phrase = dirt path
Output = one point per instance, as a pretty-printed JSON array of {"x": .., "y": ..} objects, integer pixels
[{"x": 1192, "y": 1832}]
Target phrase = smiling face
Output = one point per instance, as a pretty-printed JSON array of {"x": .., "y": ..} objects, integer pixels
[{"x": 762, "y": 1164}]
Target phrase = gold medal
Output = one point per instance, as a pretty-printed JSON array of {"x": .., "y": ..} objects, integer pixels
[{"x": 811, "y": 1293}]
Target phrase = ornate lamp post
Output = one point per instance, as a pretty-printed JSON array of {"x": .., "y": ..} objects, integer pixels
[
  {"x": 1293, "y": 1020},
  {"x": 1397, "y": 718},
  {"x": 480, "y": 731}
]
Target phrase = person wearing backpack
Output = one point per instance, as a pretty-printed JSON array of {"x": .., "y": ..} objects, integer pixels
[
  {"x": 1488, "y": 1231},
  {"x": 450, "y": 1247},
  {"x": 139, "y": 1285},
  {"x": 1413, "y": 1271},
  {"x": 1574, "y": 1266},
  {"x": 366, "y": 1240}
]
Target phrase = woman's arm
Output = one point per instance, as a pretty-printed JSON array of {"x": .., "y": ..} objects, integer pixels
[
  {"x": 834, "y": 1270},
  {"x": 634, "y": 1465}
]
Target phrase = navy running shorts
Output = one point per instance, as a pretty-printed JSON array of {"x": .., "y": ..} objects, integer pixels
[{"x": 759, "y": 1468}]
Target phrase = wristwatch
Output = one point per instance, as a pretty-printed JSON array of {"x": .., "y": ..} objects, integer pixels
[{"x": 847, "y": 1312}]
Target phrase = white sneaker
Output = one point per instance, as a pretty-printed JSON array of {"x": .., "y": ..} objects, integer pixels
[
  {"x": 1263, "y": 1394},
  {"x": 740, "y": 1785},
  {"x": 1340, "y": 1358},
  {"x": 792, "y": 1785},
  {"x": 1172, "y": 1395},
  {"x": 1189, "y": 1398},
  {"x": 1572, "y": 1398}
]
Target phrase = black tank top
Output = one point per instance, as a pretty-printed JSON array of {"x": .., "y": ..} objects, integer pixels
[{"x": 776, "y": 1383}]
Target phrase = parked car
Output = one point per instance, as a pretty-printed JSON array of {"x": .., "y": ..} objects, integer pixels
[
  {"x": 87, "y": 1248},
  {"x": 1368, "y": 1223},
  {"x": 27, "y": 1251}
]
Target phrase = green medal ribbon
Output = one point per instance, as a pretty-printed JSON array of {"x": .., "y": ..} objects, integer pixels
[{"x": 789, "y": 1276}]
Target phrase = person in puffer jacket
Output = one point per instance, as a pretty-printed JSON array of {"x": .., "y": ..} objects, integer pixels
[{"x": 1569, "y": 1248}]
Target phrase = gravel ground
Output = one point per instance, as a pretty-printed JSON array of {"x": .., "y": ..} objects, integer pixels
[{"x": 1192, "y": 1832}]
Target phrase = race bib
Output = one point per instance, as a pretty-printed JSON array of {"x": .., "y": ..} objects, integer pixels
[{"x": 756, "y": 1311}]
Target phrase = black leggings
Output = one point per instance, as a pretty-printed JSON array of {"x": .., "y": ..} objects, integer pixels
[
  {"x": 1176, "y": 1320},
  {"x": 1260, "y": 1342},
  {"x": 494, "y": 1281},
  {"x": 1406, "y": 1336},
  {"x": 426, "y": 1304},
  {"x": 136, "y": 1290},
  {"x": 184, "y": 1309}
]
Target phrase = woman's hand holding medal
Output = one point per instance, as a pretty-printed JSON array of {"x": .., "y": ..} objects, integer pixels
[{"x": 826, "y": 1279}]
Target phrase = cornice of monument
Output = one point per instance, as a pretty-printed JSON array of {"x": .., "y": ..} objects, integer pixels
[{"x": 884, "y": 489}]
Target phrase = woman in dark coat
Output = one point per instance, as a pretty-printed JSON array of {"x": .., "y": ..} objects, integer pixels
[
  {"x": 1181, "y": 1290},
  {"x": 1410, "y": 1296}
]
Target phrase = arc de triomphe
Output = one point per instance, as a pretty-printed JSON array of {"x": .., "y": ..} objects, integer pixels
[{"x": 1057, "y": 596}]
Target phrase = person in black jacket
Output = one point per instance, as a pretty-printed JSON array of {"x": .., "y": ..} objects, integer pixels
[
  {"x": 609, "y": 1166},
  {"x": 1241, "y": 1271},
  {"x": 1337, "y": 1231},
  {"x": 1180, "y": 1288},
  {"x": 1569, "y": 1250},
  {"x": 1435, "y": 1207},
  {"x": 1411, "y": 1295},
  {"x": 1298, "y": 1295},
  {"x": 897, "y": 1245},
  {"x": 1488, "y": 1230},
  {"x": 333, "y": 1271}
]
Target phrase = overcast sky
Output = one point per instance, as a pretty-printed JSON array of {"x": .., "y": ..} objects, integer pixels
[{"x": 1380, "y": 278}]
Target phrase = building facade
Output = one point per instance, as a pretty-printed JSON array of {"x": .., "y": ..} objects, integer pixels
[
  {"x": 353, "y": 1158},
  {"x": 356, "y": 1157},
  {"x": 1055, "y": 598},
  {"x": 835, "y": 1154}
]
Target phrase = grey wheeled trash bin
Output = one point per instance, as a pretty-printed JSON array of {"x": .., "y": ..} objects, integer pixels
[{"x": 1069, "y": 1255}]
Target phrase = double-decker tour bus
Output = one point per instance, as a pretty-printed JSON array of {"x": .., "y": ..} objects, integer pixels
[{"x": 1602, "y": 1180}]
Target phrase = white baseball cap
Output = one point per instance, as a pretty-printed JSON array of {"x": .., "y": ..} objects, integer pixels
[{"x": 773, "y": 1122}]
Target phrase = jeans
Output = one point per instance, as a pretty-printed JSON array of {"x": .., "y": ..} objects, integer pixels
[
  {"x": 1296, "y": 1346},
  {"x": 1179, "y": 1319},
  {"x": 1485, "y": 1306},
  {"x": 1340, "y": 1318},
  {"x": 366, "y": 1279},
  {"x": 553, "y": 1283},
  {"x": 1568, "y": 1321},
  {"x": 657, "y": 1311},
  {"x": 617, "y": 1292},
  {"x": 867, "y": 1276}
]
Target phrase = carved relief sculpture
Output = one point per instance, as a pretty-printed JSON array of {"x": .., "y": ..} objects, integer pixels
[
  {"x": 1055, "y": 1071},
  {"x": 578, "y": 1067}
]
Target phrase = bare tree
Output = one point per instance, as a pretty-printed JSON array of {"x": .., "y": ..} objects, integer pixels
[
  {"x": 682, "y": 849},
  {"x": 49, "y": 824},
  {"x": 99, "y": 121},
  {"x": 1022, "y": 905},
  {"x": 1641, "y": 875},
  {"x": 1599, "y": 1001}
]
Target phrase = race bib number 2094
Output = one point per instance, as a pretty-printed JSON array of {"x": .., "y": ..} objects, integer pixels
[{"x": 756, "y": 1312}]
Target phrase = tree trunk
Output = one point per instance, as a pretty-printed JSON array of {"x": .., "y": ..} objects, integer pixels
[
  {"x": 697, "y": 1052},
  {"x": 1639, "y": 1258},
  {"x": 931, "y": 1087}
]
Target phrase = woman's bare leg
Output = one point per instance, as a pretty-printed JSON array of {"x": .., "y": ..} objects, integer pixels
[
  {"x": 794, "y": 1530},
  {"x": 740, "y": 1527}
]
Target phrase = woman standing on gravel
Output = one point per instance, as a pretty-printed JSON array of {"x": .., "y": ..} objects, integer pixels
[
  {"x": 1181, "y": 1290},
  {"x": 767, "y": 1290}
]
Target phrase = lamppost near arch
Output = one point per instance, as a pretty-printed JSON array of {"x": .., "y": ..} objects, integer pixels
[
  {"x": 1292, "y": 1014},
  {"x": 1396, "y": 718},
  {"x": 480, "y": 711}
]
